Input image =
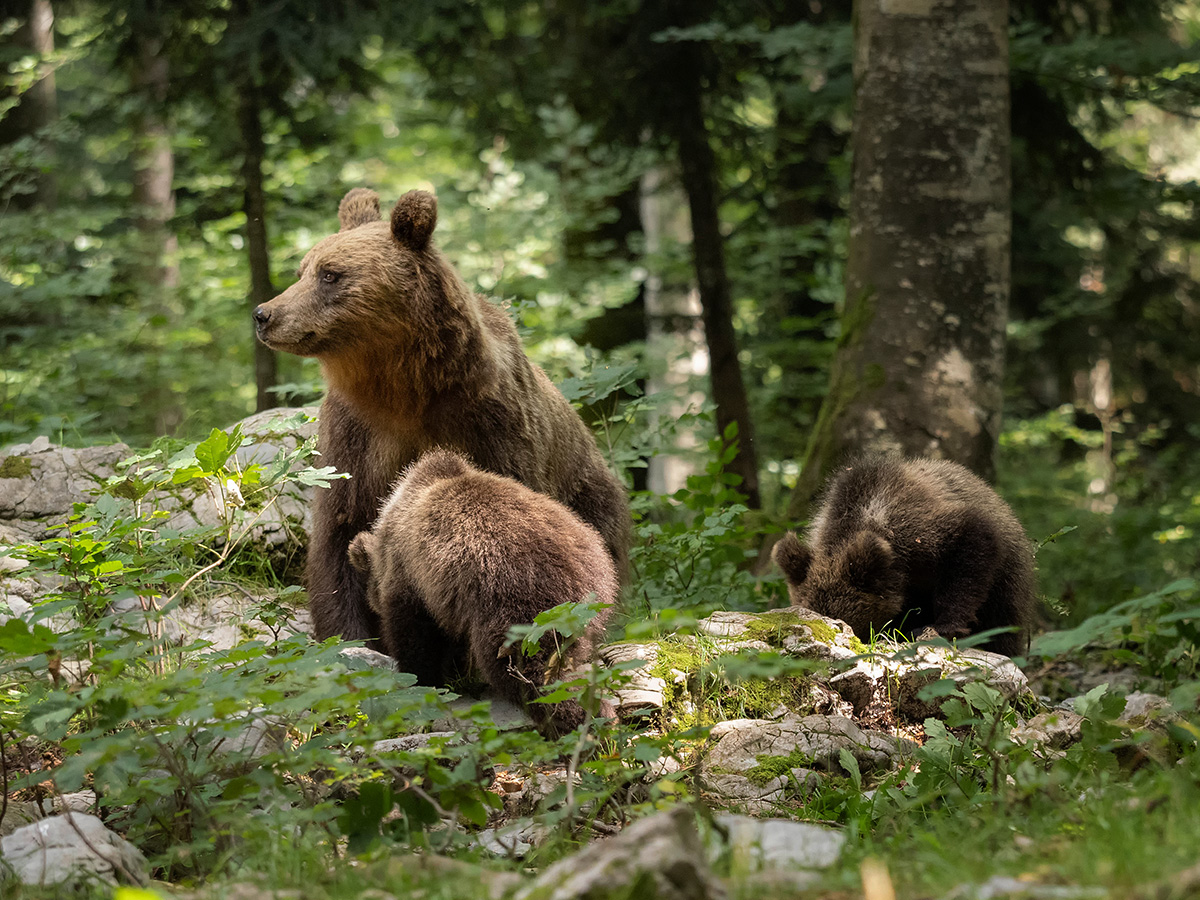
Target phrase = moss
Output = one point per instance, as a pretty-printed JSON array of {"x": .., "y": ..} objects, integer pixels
[
  {"x": 858, "y": 646},
  {"x": 16, "y": 467},
  {"x": 772, "y": 767},
  {"x": 760, "y": 698},
  {"x": 772, "y": 627},
  {"x": 676, "y": 656}
]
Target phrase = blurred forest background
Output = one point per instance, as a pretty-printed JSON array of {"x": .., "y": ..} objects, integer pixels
[{"x": 662, "y": 191}]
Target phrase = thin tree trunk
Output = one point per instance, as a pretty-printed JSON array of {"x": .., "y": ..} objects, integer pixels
[
  {"x": 676, "y": 354},
  {"x": 920, "y": 361},
  {"x": 254, "y": 205},
  {"x": 154, "y": 167},
  {"x": 154, "y": 202},
  {"x": 698, "y": 168}
]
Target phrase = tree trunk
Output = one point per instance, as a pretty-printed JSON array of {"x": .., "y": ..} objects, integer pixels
[
  {"x": 254, "y": 205},
  {"x": 154, "y": 168},
  {"x": 698, "y": 169},
  {"x": 37, "y": 107},
  {"x": 920, "y": 360},
  {"x": 157, "y": 266},
  {"x": 676, "y": 355}
]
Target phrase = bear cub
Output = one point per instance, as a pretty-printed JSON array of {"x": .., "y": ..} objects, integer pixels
[
  {"x": 477, "y": 553},
  {"x": 914, "y": 544}
]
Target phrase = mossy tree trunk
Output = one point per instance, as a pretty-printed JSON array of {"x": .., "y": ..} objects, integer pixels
[{"x": 920, "y": 360}]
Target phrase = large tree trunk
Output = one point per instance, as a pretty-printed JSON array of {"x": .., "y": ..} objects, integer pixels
[
  {"x": 919, "y": 366},
  {"x": 698, "y": 169},
  {"x": 38, "y": 106},
  {"x": 254, "y": 205}
]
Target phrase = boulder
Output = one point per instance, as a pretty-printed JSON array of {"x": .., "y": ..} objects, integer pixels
[
  {"x": 758, "y": 844},
  {"x": 656, "y": 858},
  {"x": 71, "y": 848}
]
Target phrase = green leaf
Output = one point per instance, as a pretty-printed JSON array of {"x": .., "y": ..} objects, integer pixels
[
  {"x": 214, "y": 451},
  {"x": 18, "y": 638}
]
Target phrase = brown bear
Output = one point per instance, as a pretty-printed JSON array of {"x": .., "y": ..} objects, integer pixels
[
  {"x": 480, "y": 553},
  {"x": 413, "y": 360},
  {"x": 914, "y": 544}
]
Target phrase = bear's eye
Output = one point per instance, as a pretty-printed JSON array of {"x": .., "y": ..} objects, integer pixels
[{"x": 330, "y": 277}]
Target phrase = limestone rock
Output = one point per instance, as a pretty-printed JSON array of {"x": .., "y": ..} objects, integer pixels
[
  {"x": 359, "y": 658},
  {"x": 818, "y": 740},
  {"x": 661, "y": 855},
  {"x": 1056, "y": 729},
  {"x": 758, "y": 844},
  {"x": 925, "y": 665},
  {"x": 644, "y": 691},
  {"x": 69, "y": 848},
  {"x": 1143, "y": 709}
]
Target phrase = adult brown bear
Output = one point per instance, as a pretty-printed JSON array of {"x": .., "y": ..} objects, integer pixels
[
  {"x": 914, "y": 544},
  {"x": 480, "y": 553},
  {"x": 413, "y": 360}
]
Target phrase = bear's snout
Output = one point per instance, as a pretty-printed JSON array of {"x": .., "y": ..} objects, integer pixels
[{"x": 262, "y": 315}]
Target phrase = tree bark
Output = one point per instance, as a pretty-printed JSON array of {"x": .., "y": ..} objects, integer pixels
[
  {"x": 154, "y": 168},
  {"x": 157, "y": 266},
  {"x": 676, "y": 354},
  {"x": 254, "y": 204},
  {"x": 37, "y": 107},
  {"x": 698, "y": 171},
  {"x": 920, "y": 360}
]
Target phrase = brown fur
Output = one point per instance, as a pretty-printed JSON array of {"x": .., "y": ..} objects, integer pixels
[
  {"x": 480, "y": 553},
  {"x": 414, "y": 360},
  {"x": 914, "y": 544}
]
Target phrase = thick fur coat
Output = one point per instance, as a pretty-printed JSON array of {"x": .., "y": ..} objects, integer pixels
[
  {"x": 414, "y": 360},
  {"x": 914, "y": 544},
  {"x": 478, "y": 553}
]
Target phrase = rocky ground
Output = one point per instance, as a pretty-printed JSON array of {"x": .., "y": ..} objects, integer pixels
[{"x": 855, "y": 710}]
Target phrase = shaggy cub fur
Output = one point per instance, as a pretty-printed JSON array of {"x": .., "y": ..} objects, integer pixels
[
  {"x": 914, "y": 544},
  {"x": 478, "y": 553}
]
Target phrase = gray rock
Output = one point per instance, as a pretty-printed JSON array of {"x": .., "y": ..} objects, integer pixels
[
  {"x": 1142, "y": 709},
  {"x": 913, "y": 670},
  {"x": 513, "y": 841},
  {"x": 660, "y": 854},
  {"x": 858, "y": 686},
  {"x": 409, "y": 742},
  {"x": 505, "y": 715},
  {"x": 365, "y": 657},
  {"x": 818, "y": 740},
  {"x": 644, "y": 691},
  {"x": 1055, "y": 729},
  {"x": 758, "y": 844},
  {"x": 737, "y": 791},
  {"x": 69, "y": 848},
  {"x": 19, "y": 814}
]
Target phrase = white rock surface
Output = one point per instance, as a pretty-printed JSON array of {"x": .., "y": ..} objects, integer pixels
[
  {"x": 69, "y": 848},
  {"x": 758, "y": 844},
  {"x": 661, "y": 854}
]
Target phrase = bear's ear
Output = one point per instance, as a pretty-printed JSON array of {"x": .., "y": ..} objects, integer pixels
[
  {"x": 867, "y": 562},
  {"x": 792, "y": 557},
  {"x": 358, "y": 207},
  {"x": 414, "y": 218},
  {"x": 360, "y": 551}
]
